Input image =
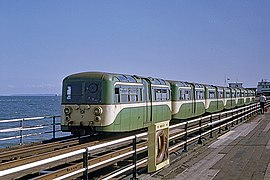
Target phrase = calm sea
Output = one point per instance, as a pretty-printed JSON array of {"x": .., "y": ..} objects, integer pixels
[
  {"x": 12, "y": 107},
  {"x": 29, "y": 106}
]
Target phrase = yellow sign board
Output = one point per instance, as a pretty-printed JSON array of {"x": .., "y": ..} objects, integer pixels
[{"x": 158, "y": 146}]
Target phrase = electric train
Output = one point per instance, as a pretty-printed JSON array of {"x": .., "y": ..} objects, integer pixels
[{"x": 107, "y": 102}]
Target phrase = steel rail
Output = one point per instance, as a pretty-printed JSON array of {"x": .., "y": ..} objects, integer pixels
[
  {"x": 43, "y": 156},
  {"x": 37, "y": 149}
]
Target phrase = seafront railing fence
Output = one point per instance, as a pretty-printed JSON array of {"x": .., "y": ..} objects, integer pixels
[
  {"x": 207, "y": 126},
  {"x": 29, "y": 127}
]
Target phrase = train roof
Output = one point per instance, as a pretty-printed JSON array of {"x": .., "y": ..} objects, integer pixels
[
  {"x": 180, "y": 83},
  {"x": 119, "y": 77},
  {"x": 105, "y": 76}
]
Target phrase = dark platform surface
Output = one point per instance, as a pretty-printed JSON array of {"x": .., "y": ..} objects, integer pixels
[{"x": 242, "y": 153}]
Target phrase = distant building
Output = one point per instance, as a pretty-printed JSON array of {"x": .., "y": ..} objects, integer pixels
[
  {"x": 263, "y": 87},
  {"x": 236, "y": 85}
]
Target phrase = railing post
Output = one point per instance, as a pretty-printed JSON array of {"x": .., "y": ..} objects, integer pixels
[
  {"x": 200, "y": 138},
  {"x": 185, "y": 145},
  {"x": 85, "y": 164},
  {"x": 53, "y": 127},
  {"x": 245, "y": 114},
  {"x": 21, "y": 131},
  {"x": 237, "y": 122},
  {"x": 238, "y": 115},
  {"x": 249, "y": 112},
  {"x": 134, "y": 159},
  {"x": 211, "y": 127},
  {"x": 232, "y": 121}
]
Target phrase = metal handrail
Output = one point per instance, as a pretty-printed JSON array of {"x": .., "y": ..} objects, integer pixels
[
  {"x": 245, "y": 112},
  {"x": 23, "y": 128}
]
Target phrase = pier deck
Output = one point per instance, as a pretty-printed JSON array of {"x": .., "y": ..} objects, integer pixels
[{"x": 242, "y": 153}]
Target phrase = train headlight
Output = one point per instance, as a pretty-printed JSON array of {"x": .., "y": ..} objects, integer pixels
[
  {"x": 67, "y": 118},
  {"x": 98, "y": 118},
  {"x": 67, "y": 110},
  {"x": 98, "y": 111}
]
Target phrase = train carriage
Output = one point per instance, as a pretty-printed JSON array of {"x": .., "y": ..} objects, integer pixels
[
  {"x": 199, "y": 99},
  {"x": 106, "y": 102},
  {"x": 227, "y": 98},
  {"x": 214, "y": 98},
  {"x": 252, "y": 96},
  {"x": 220, "y": 98},
  {"x": 246, "y": 97},
  {"x": 94, "y": 102},
  {"x": 184, "y": 102},
  {"x": 240, "y": 100},
  {"x": 160, "y": 101},
  {"x": 234, "y": 99}
]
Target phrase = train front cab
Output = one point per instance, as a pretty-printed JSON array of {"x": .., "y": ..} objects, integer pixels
[{"x": 104, "y": 102}]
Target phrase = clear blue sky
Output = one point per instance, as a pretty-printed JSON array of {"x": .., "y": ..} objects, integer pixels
[{"x": 41, "y": 42}]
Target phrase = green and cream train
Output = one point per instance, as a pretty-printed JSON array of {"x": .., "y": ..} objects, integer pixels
[{"x": 105, "y": 102}]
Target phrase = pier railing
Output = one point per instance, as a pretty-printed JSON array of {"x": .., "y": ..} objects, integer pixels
[
  {"x": 29, "y": 127},
  {"x": 186, "y": 133}
]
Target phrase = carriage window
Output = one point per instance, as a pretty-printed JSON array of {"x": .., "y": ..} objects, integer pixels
[
  {"x": 69, "y": 93},
  {"x": 181, "y": 94},
  {"x": 220, "y": 94},
  {"x": 74, "y": 92},
  {"x": 188, "y": 94},
  {"x": 139, "y": 93},
  {"x": 131, "y": 79},
  {"x": 162, "y": 81},
  {"x": 158, "y": 96},
  {"x": 228, "y": 95},
  {"x": 126, "y": 94},
  {"x": 122, "y": 78},
  {"x": 199, "y": 94},
  {"x": 211, "y": 94},
  {"x": 185, "y": 94},
  {"x": 161, "y": 94},
  {"x": 117, "y": 95},
  {"x": 133, "y": 97}
]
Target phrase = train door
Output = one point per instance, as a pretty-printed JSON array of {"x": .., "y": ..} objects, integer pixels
[{"x": 147, "y": 97}]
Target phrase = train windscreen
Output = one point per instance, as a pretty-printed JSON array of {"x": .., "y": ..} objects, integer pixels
[{"x": 82, "y": 92}]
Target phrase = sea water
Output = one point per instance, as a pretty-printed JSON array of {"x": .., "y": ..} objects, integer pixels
[{"x": 14, "y": 107}]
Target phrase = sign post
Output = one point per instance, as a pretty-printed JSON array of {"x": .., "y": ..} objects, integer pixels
[{"x": 158, "y": 146}]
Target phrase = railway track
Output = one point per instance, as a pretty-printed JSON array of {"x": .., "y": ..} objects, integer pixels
[{"x": 104, "y": 157}]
